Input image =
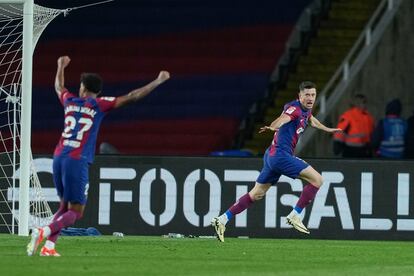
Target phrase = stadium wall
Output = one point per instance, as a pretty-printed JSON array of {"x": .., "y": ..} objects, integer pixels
[{"x": 360, "y": 199}]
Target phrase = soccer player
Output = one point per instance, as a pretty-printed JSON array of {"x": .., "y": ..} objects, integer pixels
[
  {"x": 279, "y": 159},
  {"x": 76, "y": 148}
]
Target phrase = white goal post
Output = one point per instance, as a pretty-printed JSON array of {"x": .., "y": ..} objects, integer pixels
[
  {"x": 26, "y": 122},
  {"x": 21, "y": 24}
]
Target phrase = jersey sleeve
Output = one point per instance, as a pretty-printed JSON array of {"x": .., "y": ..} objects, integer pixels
[
  {"x": 106, "y": 103},
  {"x": 64, "y": 95},
  {"x": 292, "y": 111}
]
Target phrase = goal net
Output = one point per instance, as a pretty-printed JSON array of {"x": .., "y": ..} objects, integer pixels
[{"x": 11, "y": 77}]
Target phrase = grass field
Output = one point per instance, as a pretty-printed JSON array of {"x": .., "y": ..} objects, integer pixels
[{"x": 135, "y": 255}]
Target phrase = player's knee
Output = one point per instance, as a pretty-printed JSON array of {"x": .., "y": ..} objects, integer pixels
[
  {"x": 318, "y": 180},
  {"x": 79, "y": 215},
  {"x": 258, "y": 195}
]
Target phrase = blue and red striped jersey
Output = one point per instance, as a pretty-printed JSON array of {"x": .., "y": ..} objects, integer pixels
[
  {"x": 286, "y": 138},
  {"x": 83, "y": 117}
]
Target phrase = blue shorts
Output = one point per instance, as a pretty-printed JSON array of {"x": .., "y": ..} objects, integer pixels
[
  {"x": 281, "y": 163},
  {"x": 71, "y": 177}
]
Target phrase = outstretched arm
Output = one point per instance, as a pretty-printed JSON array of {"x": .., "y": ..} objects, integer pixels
[
  {"x": 276, "y": 124},
  {"x": 139, "y": 93},
  {"x": 62, "y": 62},
  {"x": 316, "y": 124}
]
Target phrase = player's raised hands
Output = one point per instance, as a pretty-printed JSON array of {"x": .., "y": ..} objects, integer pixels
[
  {"x": 163, "y": 76},
  {"x": 63, "y": 61}
]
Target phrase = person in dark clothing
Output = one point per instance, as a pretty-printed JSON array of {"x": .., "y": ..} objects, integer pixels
[{"x": 389, "y": 134}]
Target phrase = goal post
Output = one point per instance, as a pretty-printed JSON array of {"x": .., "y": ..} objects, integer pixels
[
  {"x": 26, "y": 122},
  {"x": 22, "y": 203}
]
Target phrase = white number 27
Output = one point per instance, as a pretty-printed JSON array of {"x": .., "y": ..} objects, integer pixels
[{"x": 70, "y": 124}]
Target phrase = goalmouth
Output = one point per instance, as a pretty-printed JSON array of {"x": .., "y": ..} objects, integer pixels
[{"x": 22, "y": 204}]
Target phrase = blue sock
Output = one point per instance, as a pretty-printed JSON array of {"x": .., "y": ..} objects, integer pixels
[
  {"x": 229, "y": 215},
  {"x": 298, "y": 209}
]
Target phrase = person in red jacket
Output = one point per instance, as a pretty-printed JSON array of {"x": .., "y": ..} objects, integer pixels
[{"x": 357, "y": 124}]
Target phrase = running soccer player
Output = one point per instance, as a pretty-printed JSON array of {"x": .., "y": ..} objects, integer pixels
[
  {"x": 76, "y": 148},
  {"x": 279, "y": 159}
]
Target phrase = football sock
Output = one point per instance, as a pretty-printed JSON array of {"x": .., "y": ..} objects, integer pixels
[
  {"x": 242, "y": 204},
  {"x": 224, "y": 218},
  {"x": 306, "y": 197},
  {"x": 64, "y": 220},
  {"x": 62, "y": 209},
  {"x": 49, "y": 244},
  {"x": 46, "y": 231},
  {"x": 298, "y": 210}
]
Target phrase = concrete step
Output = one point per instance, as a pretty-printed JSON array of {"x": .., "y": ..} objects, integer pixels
[
  {"x": 343, "y": 24},
  {"x": 352, "y": 14},
  {"x": 307, "y": 70},
  {"x": 318, "y": 79},
  {"x": 328, "y": 50},
  {"x": 332, "y": 42},
  {"x": 338, "y": 33},
  {"x": 320, "y": 59},
  {"x": 355, "y": 5}
]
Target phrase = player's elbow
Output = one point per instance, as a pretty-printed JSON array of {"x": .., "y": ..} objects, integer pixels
[{"x": 59, "y": 88}]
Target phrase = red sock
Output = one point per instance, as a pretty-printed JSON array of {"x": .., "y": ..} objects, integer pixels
[
  {"x": 242, "y": 204},
  {"x": 65, "y": 220},
  {"x": 62, "y": 209},
  {"x": 307, "y": 195}
]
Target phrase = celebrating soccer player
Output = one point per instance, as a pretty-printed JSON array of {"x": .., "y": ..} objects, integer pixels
[
  {"x": 279, "y": 159},
  {"x": 76, "y": 148}
]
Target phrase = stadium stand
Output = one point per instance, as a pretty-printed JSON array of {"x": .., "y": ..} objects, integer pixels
[
  {"x": 337, "y": 30},
  {"x": 219, "y": 55}
]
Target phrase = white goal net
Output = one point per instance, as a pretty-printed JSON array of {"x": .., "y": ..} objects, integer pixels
[{"x": 11, "y": 60}]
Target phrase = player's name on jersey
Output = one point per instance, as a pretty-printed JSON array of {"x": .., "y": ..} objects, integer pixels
[
  {"x": 81, "y": 109},
  {"x": 71, "y": 143}
]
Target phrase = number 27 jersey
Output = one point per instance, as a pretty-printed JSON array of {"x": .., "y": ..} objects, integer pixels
[{"x": 83, "y": 117}]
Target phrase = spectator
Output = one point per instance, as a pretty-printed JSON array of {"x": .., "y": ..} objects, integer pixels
[
  {"x": 357, "y": 124},
  {"x": 409, "y": 138},
  {"x": 389, "y": 134}
]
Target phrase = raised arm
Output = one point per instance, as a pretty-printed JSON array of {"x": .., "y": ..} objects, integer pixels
[
  {"x": 276, "y": 124},
  {"x": 316, "y": 124},
  {"x": 62, "y": 62},
  {"x": 139, "y": 93}
]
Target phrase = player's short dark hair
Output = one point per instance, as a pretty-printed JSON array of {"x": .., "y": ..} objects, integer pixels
[
  {"x": 306, "y": 85},
  {"x": 92, "y": 82}
]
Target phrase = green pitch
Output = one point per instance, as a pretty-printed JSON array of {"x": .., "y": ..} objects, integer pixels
[{"x": 162, "y": 256}]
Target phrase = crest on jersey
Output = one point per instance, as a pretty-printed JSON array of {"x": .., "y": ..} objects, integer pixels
[
  {"x": 300, "y": 130},
  {"x": 290, "y": 110}
]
